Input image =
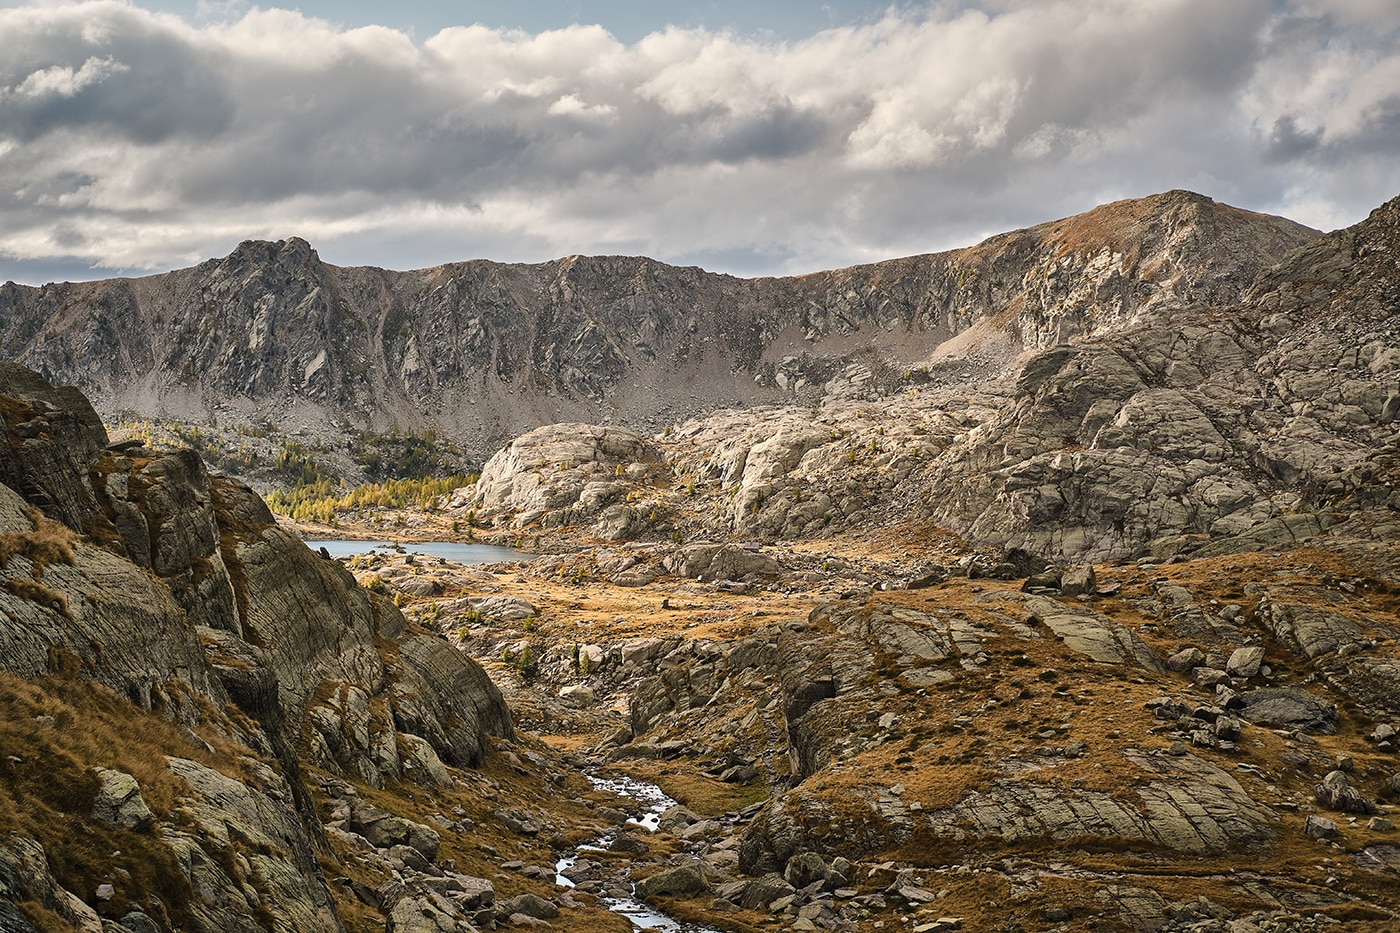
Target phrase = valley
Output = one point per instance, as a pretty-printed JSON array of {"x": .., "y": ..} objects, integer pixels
[{"x": 1049, "y": 584}]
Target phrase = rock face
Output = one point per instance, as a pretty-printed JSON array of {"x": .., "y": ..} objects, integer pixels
[
  {"x": 177, "y": 591},
  {"x": 565, "y": 474},
  {"x": 1224, "y": 418},
  {"x": 484, "y": 351}
]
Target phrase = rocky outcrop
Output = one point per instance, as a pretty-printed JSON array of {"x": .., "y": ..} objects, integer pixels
[
  {"x": 567, "y": 474},
  {"x": 1232, "y": 422},
  {"x": 139, "y": 571}
]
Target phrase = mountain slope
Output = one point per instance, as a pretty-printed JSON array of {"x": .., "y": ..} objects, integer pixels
[
  {"x": 1201, "y": 428},
  {"x": 483, "y": 351}
]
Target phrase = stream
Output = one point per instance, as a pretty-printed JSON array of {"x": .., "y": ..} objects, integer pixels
[{"x": 656, "y": 802}]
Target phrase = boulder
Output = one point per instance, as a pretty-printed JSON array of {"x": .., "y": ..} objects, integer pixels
[
  {"x": 760, "y": 892},
  {"x": 719, "y": 562},
  {"x": 1290, "y": 708},
  {"x": 119, "y": 802},
  {"x": 578, "y": 695},
  {"x": 1245, "y": 662},
  {"x": 629, "y": 844},
  {"x": 384, "y": 830},
  {"x": 531, "y": 905},
  {"x": 1336, "y": 793},
  {"x": 562, "y": 473},
  {"x": 415, "y": 914},
  {"x": 1209, "y": 677},
  {"x": 804, "y": 868},
  {"x": 502, "y": 608},
  {"x": 1079, "y": 580},
  {"x": 683, "y": 881},
  {"x": 1186, "y": 660},
  {"x": 1319, "y": 827},
  {"x": 675, "y": 817}
]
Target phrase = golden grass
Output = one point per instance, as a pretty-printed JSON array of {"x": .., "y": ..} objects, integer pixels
[
  {"x": 36, "y": 593},
  {"x": 53, "y": 732},
  {"x": 704, "y": 795},
  {"x": 49, "y": 542}
]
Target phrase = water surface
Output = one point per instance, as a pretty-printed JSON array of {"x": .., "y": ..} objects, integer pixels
[
  {"x": 642, "y": 916},
  {"x": 458, "y": 551}
]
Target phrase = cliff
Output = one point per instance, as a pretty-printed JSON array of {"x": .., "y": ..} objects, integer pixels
[{"x": 139, "y": 591}]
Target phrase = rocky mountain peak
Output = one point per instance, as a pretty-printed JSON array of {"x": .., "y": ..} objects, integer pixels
[{"x": 485, "y": 350}]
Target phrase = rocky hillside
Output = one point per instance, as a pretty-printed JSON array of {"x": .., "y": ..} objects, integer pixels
[
  {"x": 1201, "y": 429},
  {"x": 200, "y": 714},
  {"x": 483, "y": 351}
]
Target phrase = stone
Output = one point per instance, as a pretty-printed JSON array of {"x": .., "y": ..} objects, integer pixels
[
  {"x": 421, "y": 763},
  {"x": 519, "y": 821},
  {"x": 1038, "y": 582},
  {"x": 1245, "y": 662},
  {"x": 1319, "y": 827},
  {"x": 119, "y": 803},
  {"x": 1227, "y": 728},
  {"x": 384, "y": 830},
  {"x": 1289, "y": 707},
  {"x": 138, "y": 922},
  {"x": 503, "y": 608},
  {"x": 672, "y": 818},
  {"x": 1379, "y": 824},
  {"x": 414, "y": 914},
  {"x": 1078, "y": 580},
  {"x": 1209, "y": 677},
  {"x": 1228, "y": 698},
  {"x": 525, "y": 920},
  {"x": 1336, "y": 793},
  {"x": 804, "y": 868},
  {"x": 720, "y": 562},
  {"x": 629, "y": 843},
  {"x": 699, "y": 830},
  {"x": 578, "y": 695},
  {"x": 530, "y": 905},
  {"x": 759, "y": 893},
  {"x": 682, "y": 881}
]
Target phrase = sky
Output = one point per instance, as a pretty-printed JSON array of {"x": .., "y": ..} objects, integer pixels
[{"x": 749, "y": 138}]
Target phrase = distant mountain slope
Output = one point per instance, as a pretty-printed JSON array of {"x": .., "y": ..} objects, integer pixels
[
  {"x": 483, "y": 351},
  {"x": 1163, "y": 428}
]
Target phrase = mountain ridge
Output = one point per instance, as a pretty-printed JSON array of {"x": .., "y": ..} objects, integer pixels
[{"x": 485, "y": 350}]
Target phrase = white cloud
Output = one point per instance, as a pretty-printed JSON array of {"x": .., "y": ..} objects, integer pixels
[
  {"x": 134, "y": 140},
  {"x": 62, "y": 81}
]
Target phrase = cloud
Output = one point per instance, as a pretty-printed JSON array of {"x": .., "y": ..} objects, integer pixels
[
  {"x": 65, "y": 82},
  {"x": 139, "y": 141}
]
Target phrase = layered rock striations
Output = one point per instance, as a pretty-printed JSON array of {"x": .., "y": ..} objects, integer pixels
[{"x": 136, "y": 570}]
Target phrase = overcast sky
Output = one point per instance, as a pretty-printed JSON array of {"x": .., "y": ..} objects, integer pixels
[{"x": 743, "y": 137}]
